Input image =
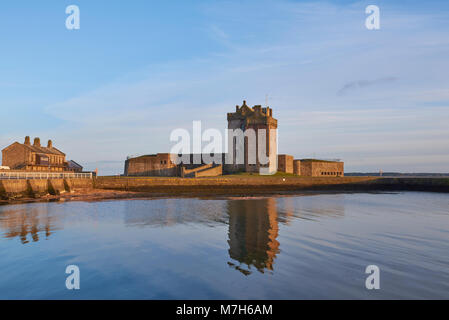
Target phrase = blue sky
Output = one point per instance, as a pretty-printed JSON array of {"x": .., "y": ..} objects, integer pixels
[{"x": 137, "y": 70}]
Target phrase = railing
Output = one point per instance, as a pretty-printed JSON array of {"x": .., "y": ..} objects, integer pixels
[{"x": 44, "y": 175}]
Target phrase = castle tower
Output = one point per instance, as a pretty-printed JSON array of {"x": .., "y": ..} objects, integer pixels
[{"x": 257, "y": 124}]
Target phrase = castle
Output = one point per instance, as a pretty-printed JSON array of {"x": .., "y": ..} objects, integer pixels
[{"x": 252, "y": 148}]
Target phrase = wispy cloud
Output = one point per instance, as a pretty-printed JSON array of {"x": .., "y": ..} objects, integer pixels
[{"x": 359, "y": 84}]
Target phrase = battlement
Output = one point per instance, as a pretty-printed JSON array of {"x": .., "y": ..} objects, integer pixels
[{"x": 254, "y": 115}]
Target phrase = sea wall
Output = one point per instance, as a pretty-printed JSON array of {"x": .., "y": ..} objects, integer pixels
[
  {"x": 34, "y": 188},
  {"x": 269, "y": 184},
  {"x": 13, "y": 188}
]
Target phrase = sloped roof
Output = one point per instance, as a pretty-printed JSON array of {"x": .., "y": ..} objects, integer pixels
[
  {"x": 44, "y": 150},
  {"x": 74, "y": 164},
  {"x": 36, "y": 149}
]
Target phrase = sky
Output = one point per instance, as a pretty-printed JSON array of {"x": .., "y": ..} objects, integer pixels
[{"x": 137, "y": 70}]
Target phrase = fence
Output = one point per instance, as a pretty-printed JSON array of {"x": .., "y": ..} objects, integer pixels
[{"x": 44, "y": 175}]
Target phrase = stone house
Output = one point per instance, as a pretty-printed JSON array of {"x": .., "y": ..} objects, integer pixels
[{"x": 34, "y": 157}]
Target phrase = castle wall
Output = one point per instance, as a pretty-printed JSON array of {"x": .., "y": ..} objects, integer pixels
[
  {"x": 297, "y": 167},
  {"x": 210, "y": 172},
  {"x": 159, "y": 165},
  {"x": 285, "y": 163},
  {"x": 319, "y": 168}
]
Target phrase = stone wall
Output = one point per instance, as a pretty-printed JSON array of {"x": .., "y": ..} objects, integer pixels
[
  {"x": 285, "y": 163},
  {"x": 146, "y": 183},
  {"x": 14, "y": 188},
  {"x": 57, "y": 186},
  {"x": 321, "y": 168},
  {"x": 80, "y": 183},
  {"x": 23, "y": 188},
  {"x": 38, "y": 188},
  {"x": 297, "y": 167},
  {"x": 247, "y": 185},
  {"x": 14, "y": 155},
  {"x": 210, "y": 172},
  {"x": 159, "y": 165}
]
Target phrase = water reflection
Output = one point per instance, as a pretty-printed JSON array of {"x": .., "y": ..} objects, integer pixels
[
  {"x": 252, "y": 224},
  {"x": 170, "y": 212},
  {"x": 301, "y": 247},
  {"x": 27, "y": 224},
  {"x": 253, "y": 229}
]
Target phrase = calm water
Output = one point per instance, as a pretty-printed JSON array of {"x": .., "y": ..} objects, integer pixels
[{"x": 302, "y": 247}]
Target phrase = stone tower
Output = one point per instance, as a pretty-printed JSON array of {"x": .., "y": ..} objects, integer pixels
[{"x": 259, "y": 145}]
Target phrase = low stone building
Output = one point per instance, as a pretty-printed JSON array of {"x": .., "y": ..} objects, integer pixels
[
  {"x": 33, "y": 157},
  {"x": 321, "y": 168},
  {"x": 158, "y": 165},
  {"x": 163, "y": 165}
]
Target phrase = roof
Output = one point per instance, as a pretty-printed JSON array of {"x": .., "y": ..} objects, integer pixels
[
  {"x": 318, "y": 160},
  {"x": 74, "y": 164},
  {"x": 35, "y": 149},
  {"x": 44, "y": 150}
]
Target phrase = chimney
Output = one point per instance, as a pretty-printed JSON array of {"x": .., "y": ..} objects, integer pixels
[
  {"x": 50, "y": 144},
  {"x": 37, "y": 142},
  {"x": 27, "y": 141}
]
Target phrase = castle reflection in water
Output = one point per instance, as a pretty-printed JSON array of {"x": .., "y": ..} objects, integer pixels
[
  {"x": 253, "y": 230},
  {"x": 253, "y": 224}
]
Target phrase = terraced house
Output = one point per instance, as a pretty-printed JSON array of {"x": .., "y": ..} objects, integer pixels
[{"x": 34, "y": 157}]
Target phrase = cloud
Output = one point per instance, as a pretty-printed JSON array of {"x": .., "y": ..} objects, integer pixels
[{"x": 354, "y": 85}]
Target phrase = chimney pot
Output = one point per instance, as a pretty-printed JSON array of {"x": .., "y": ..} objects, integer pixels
[
  {"x": 50, "y": 144},
  {"x": 27, "y": 140},
  {"x": 37, "y": 142}
]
